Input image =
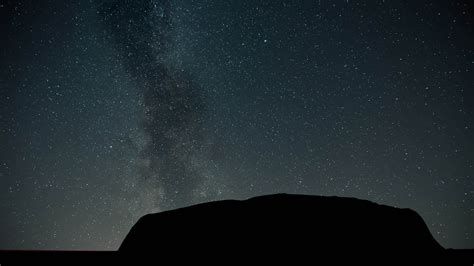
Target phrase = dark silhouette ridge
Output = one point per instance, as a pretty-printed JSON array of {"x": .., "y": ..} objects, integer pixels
[
  {"x": 284, "y": 225},
  {"x": 322, "y": 222},
  {"x": 275, "y": 228}
]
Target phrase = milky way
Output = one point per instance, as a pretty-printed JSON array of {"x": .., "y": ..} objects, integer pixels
[{"x": 173, "y": 106}]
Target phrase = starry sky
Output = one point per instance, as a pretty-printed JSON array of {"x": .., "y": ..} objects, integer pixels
[{"x": 110, "y": 110}]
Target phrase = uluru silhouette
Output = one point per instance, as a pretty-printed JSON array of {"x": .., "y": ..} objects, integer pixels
[{"x": 283, "y": 224}]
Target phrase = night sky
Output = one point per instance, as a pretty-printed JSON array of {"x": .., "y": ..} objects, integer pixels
[{"x": 110, "y": 110}]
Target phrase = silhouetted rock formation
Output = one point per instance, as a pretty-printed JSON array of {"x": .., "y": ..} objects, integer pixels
[
  {"x": 276, "y": 228},
  {"x": 284, "y": 225}
]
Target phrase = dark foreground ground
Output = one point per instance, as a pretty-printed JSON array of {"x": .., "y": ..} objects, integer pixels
[{"x": 274, "y": 228}]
